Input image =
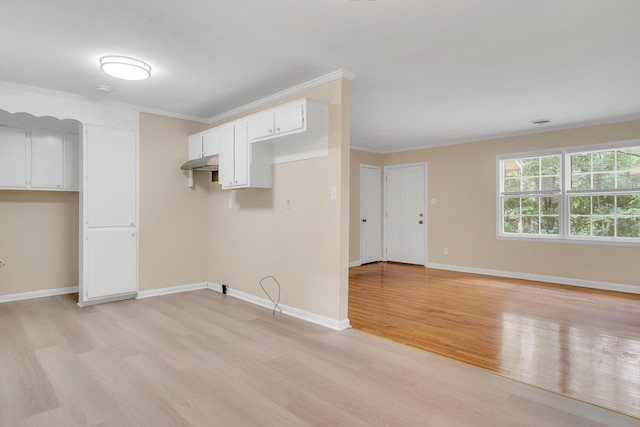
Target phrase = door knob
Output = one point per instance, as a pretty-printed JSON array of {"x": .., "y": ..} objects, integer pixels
[
  {"x": 420, "y": 222},
  {"x": 364, "y": 220}
]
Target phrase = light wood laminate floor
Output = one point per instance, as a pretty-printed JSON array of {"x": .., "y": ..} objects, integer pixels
[
  {"x": 203, "y": 359},
  {"x": 574, "y": 341}
]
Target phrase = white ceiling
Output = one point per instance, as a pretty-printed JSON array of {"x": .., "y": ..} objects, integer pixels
[{"x": 429, "y": 72}]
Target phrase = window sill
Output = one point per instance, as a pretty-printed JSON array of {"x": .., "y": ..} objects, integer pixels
[{"x": 544, "y": 239}]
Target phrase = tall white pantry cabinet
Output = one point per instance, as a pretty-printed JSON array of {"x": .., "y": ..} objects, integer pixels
[{"x": 109, "y": 215}]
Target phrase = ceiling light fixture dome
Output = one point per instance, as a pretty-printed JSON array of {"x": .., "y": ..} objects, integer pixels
[{"x": 124, "y": 67}]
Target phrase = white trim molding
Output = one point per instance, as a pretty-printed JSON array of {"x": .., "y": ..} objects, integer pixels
[
  {"x": 38, "y": 294},
  {"x": 172, "y": 290},
  {"x": 337, "y": 325},
  {"x": 338, "y": 74},
  {"x": 606, "y": 286},
  {"x": 355, "y": 263}
]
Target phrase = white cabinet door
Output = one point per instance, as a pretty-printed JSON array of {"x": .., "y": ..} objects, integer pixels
[
  {"x": 241, "y": 155},
  {"x": 211, "y": 142},
  {"x": 234, "y": 156},
  {"x": 289, "y": 119},
  {"x": 13, "y": 157},
  {"x": 112, "y": 262},
  {"x": 226, "y": 171},
  {"x": 195, "y": 146},
  {"x": 47, "y": 159},
  {"x": 72, "y": 162},
  {"x": 261, "y": 126},
  {"x": 111, "y": 177}
]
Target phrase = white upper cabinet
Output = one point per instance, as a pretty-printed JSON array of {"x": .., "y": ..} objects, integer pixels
[
  {"x": 261, "y": 126},
  {"x": 211, "y": 142},
  {"x": 205, "y": 143},
  {"x": 242, "y": 164},
  {"x": 249, "y": 147},
  {"x": 240, "y": 155},
  {"x": 13, "y": 157},
  {"x": 47, "y": 160},
  {"x": 38, "y": 160},
  {"x": 233, "y": 155},
  {"x": 195, "y": 146},
  {"x": 277, "y": 122},
  {"x": 290, "y": 119}
]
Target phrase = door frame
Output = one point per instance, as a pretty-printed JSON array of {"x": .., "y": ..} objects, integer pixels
[
  {"x": 381, "y": 256},
  {"x": 426, "y": 210}
]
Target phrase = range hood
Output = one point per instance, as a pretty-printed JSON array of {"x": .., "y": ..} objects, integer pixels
[{"x": 208, "y": 163}]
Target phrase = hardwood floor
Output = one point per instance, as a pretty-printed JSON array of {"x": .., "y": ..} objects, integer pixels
[
  {"x": 203, "y": 359},
  {"x": 577, "y": 342}
]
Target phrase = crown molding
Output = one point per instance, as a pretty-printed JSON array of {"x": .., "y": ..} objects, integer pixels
[{"x": 338, "y": 74}]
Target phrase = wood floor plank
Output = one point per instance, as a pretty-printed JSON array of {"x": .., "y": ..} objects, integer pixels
[{"x": 579, "y": 342}]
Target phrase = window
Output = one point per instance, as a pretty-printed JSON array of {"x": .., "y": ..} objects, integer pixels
[{"x": 575, "y": 195}]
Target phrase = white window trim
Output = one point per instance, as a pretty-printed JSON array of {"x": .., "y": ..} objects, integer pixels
[{"x": 563, "y": 237}]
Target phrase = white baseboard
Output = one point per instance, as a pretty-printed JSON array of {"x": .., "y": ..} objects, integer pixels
[
  {"x": 607, "y": 286},
  {"x": 337, "y": 325},
  {"x": 38, "y": 294},
  {"x": 355, "y": 263},
  {"x": 172, "y": 290}
]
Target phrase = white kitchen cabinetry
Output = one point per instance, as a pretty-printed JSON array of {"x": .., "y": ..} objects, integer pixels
[
  {"x": 111, "y": 177},
  {"x": 109, "y": 215},
  {"x": 203, "y": 144},
  {"x": 211, "y": 142},
  {"x": 249, "y": 147},
  {"x": 241, "y": 164},
  {"x": 195, "y": 146},
  {"x": 298, "y": 130},
  {"x": 278, "y": 122},
  {"x": 38, "y": 160},
  {"x": 302, "y": 116},
  {"x": 72, "y": 162},
  {"x": 47, "y": 160},
  {"x": 112, "y": 262},
  {"x": 13, "y": 158}
]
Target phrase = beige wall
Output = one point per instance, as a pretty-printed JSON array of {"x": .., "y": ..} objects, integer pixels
[
  {"x": 462, "y": 176},
  {"x": 173, "y": 217},
  {"x": 38, "y": 240},
  {"x": 305, "y": 247}
]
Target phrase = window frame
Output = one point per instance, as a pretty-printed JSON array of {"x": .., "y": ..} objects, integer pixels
[{"x": 564, "y": 194}]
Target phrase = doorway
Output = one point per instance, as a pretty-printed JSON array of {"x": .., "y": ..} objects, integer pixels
[
  {"x": 405, "y": 213},
  {"x": 370, "y": 214}
]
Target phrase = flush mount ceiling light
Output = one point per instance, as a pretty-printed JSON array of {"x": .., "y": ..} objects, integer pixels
[{"x": 125, "y": 68}]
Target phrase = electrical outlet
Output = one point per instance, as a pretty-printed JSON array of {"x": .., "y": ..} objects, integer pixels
[
  {"x": 446, "y": 251},
  {"x": 288, "y": 203}
]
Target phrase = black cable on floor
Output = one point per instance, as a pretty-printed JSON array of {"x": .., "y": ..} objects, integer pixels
[{"x": 275, "y": 303}]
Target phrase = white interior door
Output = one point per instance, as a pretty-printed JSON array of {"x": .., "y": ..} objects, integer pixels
[
  {"x": 370, "y": 214},
  {"x": 406, "y": 221}
]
